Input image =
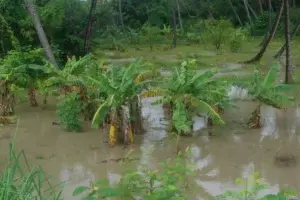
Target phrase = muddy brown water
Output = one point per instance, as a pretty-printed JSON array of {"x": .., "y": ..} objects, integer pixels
[{"x": 233, "y": 151}]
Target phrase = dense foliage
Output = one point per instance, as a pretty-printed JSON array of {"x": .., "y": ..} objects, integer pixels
[{"x": 115, "y": 23}]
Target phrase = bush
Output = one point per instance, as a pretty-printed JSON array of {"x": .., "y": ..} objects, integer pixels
[
  {"x": 237, "y": 37},
  {"x": 24, "y": 182},
  {"x": 68, "y": 111},
  {"x": 170, "y": 183},
  {"x": 216, "y": 32}
]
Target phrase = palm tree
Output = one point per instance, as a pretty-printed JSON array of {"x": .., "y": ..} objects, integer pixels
[
  {"x": 269, "y": 37},
  {"x": 189, "y": 94},
  {"x": 288, "y": 67},
  {"x": 30, "y": 5},
  {"x": 266, "y": 90},
  {"x": 121, "y": 88}
]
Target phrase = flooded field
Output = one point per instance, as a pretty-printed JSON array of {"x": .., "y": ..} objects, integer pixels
[{"x": 232, "y": 151}]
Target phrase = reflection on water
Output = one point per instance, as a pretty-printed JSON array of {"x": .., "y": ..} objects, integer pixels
[
  {"x": 74, "y": 176},
  {"x": 234, "y": 150}
]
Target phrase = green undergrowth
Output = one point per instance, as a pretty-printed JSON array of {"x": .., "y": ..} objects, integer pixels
[
  {"x": 171, "y": 180},
  {"x": 20, "y": 181}
]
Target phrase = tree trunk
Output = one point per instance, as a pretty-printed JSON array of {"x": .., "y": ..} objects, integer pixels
[
  {"x": 269, "y": 38},
  {"x": 32, "y": 97},
  {"x": 235, "y": 13},
  {"x": 294, "y": 4},
  {"x": 121, "y": 14},
  {"x": 282, "y": 49},
  {"x": 270, "y": 24},
  {"x": 174, "y": 43},
  {"x": 247, "y": 11},
  {"x": 252, "y": 11},
  {"x": 179, "y": 15},
  {"x": 270, "y": 14},
  {"x": 260, "y": 6},
  {"x": 288, "y": 67},
  {"x": 40, "y": 31},
  {"x": 88, "y": 34}
]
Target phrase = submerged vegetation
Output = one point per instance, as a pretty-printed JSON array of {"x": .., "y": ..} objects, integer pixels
[{"x": 171, "y": 182}]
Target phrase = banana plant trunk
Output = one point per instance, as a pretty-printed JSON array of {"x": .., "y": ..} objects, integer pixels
[
  {"x": 127, "y": 127},
  {"x": 114, "y": 128},
  {"x": 32, "y": 97},
  {"x": 136, "y": 115},
  {"x": 7, "y": 100},
  {"x": 255, "y": 119}
]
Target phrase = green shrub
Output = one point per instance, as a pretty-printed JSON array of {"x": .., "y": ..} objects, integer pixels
[
  {"x": 151, "y": 35},
  {"x": 68, "y": 111},
  {"x": 252, "y": 186},
  {"x": 237, "y": 37},
  {"x": 169, "y": 183},
  {"x": 24, "y": 182},
  {"x": 216, "y": 32}
]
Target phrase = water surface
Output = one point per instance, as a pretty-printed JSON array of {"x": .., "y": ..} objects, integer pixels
[{"x": 233, "y": 151}]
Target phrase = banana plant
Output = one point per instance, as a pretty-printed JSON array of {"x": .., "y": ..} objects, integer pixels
[
  {"x": 265, "y": 90},
  {"x": 189, "y": 94},
  {"x": 10, "y": 79},
  {"x": 28, "y": 62},
  {"x": 121, "y": 87},
  {"x": 70, "y": 79}
]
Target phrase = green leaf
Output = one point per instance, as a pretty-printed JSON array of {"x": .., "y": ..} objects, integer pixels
[
  {"x": 80, "y": 190},
  {"x": 102, "y": 182},
  {"x": 90, "y": 198},
  {"x": 271, "y": 76},
  {"x": 206, "y": 108},
  {"x": 100, "y": 114},
  {"x": 108, "y": 192}
]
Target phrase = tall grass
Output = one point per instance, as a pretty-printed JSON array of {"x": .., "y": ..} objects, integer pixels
[{"x": 24, "y": 182}]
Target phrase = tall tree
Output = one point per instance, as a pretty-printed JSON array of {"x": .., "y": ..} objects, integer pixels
[
  {"x": 88, "y": 34},
  {"x": 174, "y": 42},
  {"x": 179, "y": 15},
  {"x": 247, "y": 11},
  {"x": 260, "y": 6},
  {"x": 121, "y": 13},
  {"x": 40, "y": 31},
  {"x": 269, "y": 38},
  {"x": 288, "y": 67},
  {"x": 282, "y": 49},
  {"x": 235, "y": 13}
]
